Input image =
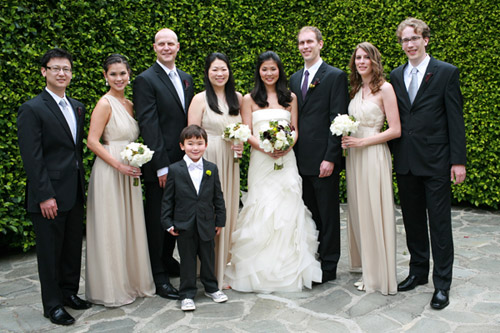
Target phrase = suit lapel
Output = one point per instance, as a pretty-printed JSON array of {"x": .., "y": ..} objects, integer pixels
[
  {"x": 54, "y": 108},
  {"x": 185, "y": 86},
  {"x": 317, "y": 78},
  {"x": 430, "y": 71},
  {"x": 167, "y": 82},
  {"x": 205, "y": 176},
  {"x": 186, "y": 174},
  {"x": 78, "y": 116}
]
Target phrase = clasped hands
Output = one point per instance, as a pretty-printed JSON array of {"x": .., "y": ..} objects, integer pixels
[
  {"x": 176, "y": 233},
  {"x": 238, "y": 148}
]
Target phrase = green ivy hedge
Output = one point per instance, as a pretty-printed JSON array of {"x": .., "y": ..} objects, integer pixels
[{"x": 464, "y": 33}]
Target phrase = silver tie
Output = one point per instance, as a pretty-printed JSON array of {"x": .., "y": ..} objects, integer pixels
[
  {"x": 176, "y": 81},
  {"x": 413, "y": 88},
  {"x": 70, "y": 118}
]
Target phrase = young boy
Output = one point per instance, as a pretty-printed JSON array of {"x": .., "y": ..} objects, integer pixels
[{"x": 193, "y": 209}]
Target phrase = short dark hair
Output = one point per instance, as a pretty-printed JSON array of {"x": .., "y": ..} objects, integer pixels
[
  {"x": 116, "y": 59},
  {"x": 193, "y": 131},
  {"x": 55, "y": 53}
]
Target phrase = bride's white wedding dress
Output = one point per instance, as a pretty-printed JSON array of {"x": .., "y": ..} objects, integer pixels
[{"x": 275, "y": 239}]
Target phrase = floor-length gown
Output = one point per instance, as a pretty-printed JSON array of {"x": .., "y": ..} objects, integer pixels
[
  {"x": 118, "y": 267},
  {"x": 275, "y": 238},
  {"x": 219, "y": 152},
  {"x": 371, "y": 221}
]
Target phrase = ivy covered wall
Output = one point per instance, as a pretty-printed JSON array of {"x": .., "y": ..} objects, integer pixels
[{"x": 464, "y": 33}]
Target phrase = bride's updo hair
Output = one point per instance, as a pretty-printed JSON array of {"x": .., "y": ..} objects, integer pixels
[
  {"x": 116, "y": 59},
  {"x": 259, "y": 93}
]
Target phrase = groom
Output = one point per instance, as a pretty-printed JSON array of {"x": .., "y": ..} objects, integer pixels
[
  {"x": 431, "y": 150},
  {"x": 162, "y": 94},
  {"x": 322, "y": 94}
]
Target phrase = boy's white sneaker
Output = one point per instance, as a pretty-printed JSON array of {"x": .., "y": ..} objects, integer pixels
[
  {"x": 187, "y": 304},
  {"x": 217, "y": 297}
]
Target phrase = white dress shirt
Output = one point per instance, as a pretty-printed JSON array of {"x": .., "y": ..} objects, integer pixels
[
  {"x": 195, "y": 170},
  {"x": 422, "y": 67}
]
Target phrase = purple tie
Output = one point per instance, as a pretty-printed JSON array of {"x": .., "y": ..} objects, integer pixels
[{"x": 304, "y": 85}]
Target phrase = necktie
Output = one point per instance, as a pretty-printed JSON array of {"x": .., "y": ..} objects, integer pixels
[
  {"x": 304, "y": 84},
  {"x": 178, "y": 86},
  {"x": 413, "y": 88},
  {"x": 70, "y": 118}
]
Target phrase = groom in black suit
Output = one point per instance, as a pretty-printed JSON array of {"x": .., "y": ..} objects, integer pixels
[
  {"x": 430, "y": 152},
  {"x": 322, "y": 94},
  {"x": 162, "y": 95},
  {"x": 50, "y": 132}
]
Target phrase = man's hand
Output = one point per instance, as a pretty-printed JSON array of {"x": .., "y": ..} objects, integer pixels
[
  {"x": 457, "y": 173},
  {"x": 162, "y": 180},
  {"x": 49, "y": 208},
  {"x": 217, "y": 230},
  {"x": 326, "y": 169}
]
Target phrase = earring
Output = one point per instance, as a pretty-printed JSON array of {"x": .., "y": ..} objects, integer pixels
[{"x": 107, "y": 83}]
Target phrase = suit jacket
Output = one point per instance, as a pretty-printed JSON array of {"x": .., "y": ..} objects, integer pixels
[
  {"x": 52, "y": 160},
  {"x": 161, "y": 116},
  {"x": 182, "y": 207},
  {"x": 432, "y": 128},
  {"x": 321, "y": 105}
]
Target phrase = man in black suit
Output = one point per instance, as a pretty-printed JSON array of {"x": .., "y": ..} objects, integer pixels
[
  {"x": 162, "y": 95},
  {"x": 322, "y": 94},
  {"x": 193, "y": 210},
  {"x": 50, "y": 133},
  {"x": 431, "y": 150}
]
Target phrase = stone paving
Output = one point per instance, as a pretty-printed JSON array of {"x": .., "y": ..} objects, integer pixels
[{"x": 336, "y": 306}]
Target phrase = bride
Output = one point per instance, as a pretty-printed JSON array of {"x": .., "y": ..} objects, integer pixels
[{"x": 275, "y": 239}]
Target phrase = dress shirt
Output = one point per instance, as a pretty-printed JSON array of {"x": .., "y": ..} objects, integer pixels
[
  {"x": 69, "y": 116},
  {"x": 312, "y": 72},
  {"x": 176, "y": 81},
  {"x": 195, "y": 170},
  {"x": 422, "y": 67}
]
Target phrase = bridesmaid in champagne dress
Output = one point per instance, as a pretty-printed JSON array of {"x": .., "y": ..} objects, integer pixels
[
  {"x": 371, "y": 222},
  {"x": 214, "y": 109},
  {"x": 118, "y": 268}
]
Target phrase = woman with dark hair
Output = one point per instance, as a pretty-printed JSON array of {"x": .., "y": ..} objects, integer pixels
[
  {"x": 118, "y": 268},
  {"x": 275, "y": 239},
  {"x": 371, "y": 223},
  {"x": 214, "y": 109}
]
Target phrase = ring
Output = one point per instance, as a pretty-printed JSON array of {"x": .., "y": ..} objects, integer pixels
[
  {"x": 347, "y": 145},
  {"x": 133, "y": 171}
]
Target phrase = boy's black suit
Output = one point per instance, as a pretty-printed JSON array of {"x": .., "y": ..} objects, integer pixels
[{"x": 195, "y": 217}]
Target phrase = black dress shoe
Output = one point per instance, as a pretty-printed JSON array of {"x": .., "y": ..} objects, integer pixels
[
  {"x": 166, "y": 290},
  {"x": 327, "y": 276},
  {"x": 60, "y": 316},
  {"x": 440, "y": 299},
  {"x": 411, "y": 282},
  {"x": 77, "y": 303}
]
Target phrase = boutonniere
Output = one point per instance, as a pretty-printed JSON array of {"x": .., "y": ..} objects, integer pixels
[
  {"x": 79, "y": 110},
  {"x": 186, "y": 84},
  {"x": 314, "y": 83},
  {"x": 208, "y": 172},
  {"x": 428, "y": 77}
]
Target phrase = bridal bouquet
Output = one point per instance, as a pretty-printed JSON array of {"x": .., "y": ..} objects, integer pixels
[
  {"x": 279, "y": 136},
  {"x": 236, "y": 132},
  {"x": 343, "y": 125},
  {"x": 136, "y": 154}
]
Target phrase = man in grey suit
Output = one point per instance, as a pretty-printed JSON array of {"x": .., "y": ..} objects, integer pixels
[
  {"x": 162, "y": 95},
  {"x": 430, "y": 152},
  {"x": 321, "y": 94}
]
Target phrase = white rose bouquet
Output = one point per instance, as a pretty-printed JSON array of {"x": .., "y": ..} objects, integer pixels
[
  {"x": 343, "y": 125},
  {"x": 279, "y": 136},
  {"x": 237, "y": 133},
  {"x": 136, "y": 154}
]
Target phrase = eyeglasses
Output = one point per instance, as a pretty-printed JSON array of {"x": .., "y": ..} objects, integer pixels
[
  {"x": 412, "y": 39},
  {"x": 56, "y": 69}
]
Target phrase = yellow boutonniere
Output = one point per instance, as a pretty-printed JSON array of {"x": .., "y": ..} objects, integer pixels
[{"x": 208, "y": 172}]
